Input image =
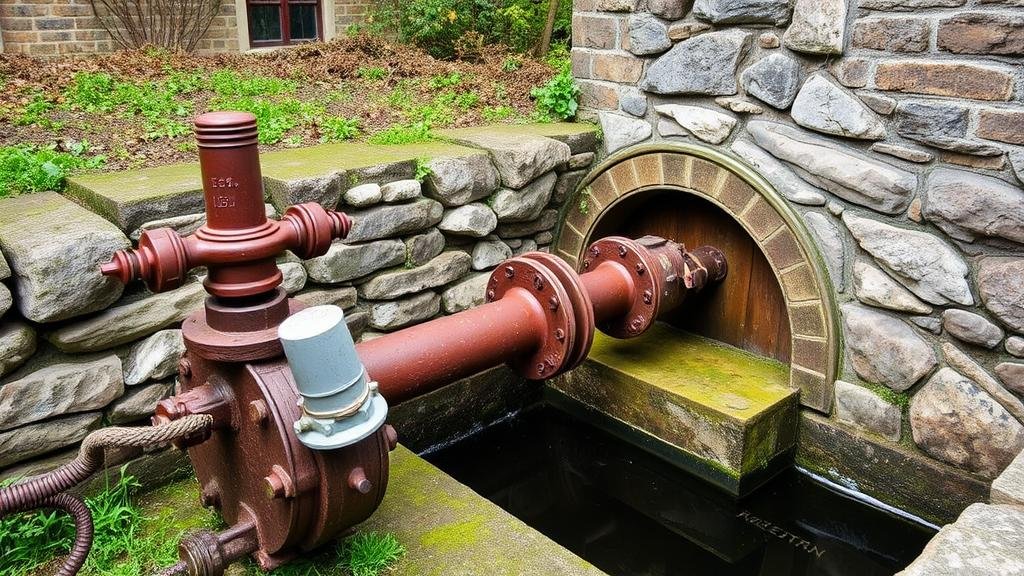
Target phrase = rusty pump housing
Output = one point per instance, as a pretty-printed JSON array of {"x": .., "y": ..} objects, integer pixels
[{"x": 282, "y": 492}]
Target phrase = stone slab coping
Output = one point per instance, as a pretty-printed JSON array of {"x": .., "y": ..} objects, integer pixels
[
  {"x": 1008, "y": 487},
  {"x": 724, "y": 414},
  {"x": 580, "y": 136},
  {"x": 446, "y": 528},
  {"x": 133, "y": 197}
]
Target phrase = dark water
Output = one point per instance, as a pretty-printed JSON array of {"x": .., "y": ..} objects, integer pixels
[{"x": 630, "y": 513}]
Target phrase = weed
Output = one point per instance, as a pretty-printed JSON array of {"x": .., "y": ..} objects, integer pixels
[
  {"x": 372, "y": 73},
  {"x": 229, "y": 83},
  {"x": 156, "y": 102},
  {"x": 274, "y": 118},
  {"x": 467, "y": 100},
  {"x": 445, "y": 80},
  {"x": 400, "y": 98},
  {"x": 422, "y": 170},
  {"x": 370, "y": 553},
  {"x": 584, "y": 206},
  {"x": 25, "y": 168},
  {"x": 403, "y": 134},
  {"x": 37, "y": 112},
  {"x": 497, "y": 113},
  {"x": 512, "y": 63},
  {"x": 337, "y": 128},
  {"x": 558, "y": 98}
]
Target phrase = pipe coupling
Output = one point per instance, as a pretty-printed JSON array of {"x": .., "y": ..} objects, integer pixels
[{"x": 340, "y": 404}]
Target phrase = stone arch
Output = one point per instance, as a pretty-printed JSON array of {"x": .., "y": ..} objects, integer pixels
[{"x": 751, "y": 200}]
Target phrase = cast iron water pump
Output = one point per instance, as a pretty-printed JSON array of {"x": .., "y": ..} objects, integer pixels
[{"x": 282, "y": 415}]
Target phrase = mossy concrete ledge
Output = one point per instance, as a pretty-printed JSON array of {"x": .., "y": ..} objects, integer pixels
[
  {"x": 313, "y": 174},
  {"x": 446, "y": 528},
  {"x": 724, "y": 414}
]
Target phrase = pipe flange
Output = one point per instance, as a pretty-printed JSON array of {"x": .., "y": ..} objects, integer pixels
[
  {"x": 558, "y": 333},
  {"x": 639, "y": 263},
  {"x": 582, "y": 307}
]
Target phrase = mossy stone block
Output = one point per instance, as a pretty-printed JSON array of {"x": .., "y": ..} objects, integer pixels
[
  {"x": 133, "y": 197},
  {"x": 323, "y": 173},
  {"x": 730, "y": 411},
  {"x": 581, "y": 137},
  {"x": 895, "y": 474}
]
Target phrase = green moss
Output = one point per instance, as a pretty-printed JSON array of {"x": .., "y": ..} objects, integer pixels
[
  {"x": 456, "y": 536},
  {"x": 726, "y": 379},
  {"x": 901, "y": 399}
]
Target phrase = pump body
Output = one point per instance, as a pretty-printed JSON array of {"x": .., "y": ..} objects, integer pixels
[{"x": 289, "y": 470}]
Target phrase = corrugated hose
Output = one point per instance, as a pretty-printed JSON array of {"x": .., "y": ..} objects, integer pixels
[{"x": 48, "y": 490}]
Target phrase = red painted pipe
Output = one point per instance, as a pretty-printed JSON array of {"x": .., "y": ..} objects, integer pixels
[
  {"x": 421, "y": 358},
  {"x": 416, "y": 360}
]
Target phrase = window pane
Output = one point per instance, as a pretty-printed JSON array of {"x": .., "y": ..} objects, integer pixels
[
  {"x": 266, "y": 22},
  {"x": 302, "y": 21}
]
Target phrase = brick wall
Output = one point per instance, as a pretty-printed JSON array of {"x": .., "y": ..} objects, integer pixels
[
  {"x": 51, "y": 27},
  {"x": 223, "y": 33},
  {"x": 57, "y": 27},
  {"x": 348, "y": 12}
]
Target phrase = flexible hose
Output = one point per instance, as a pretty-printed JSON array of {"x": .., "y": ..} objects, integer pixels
[
  {"x": 79, "y": 512},
  {"x": 47, "y": 490}
]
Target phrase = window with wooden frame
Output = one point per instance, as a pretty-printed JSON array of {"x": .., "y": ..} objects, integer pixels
[{"x": 283, "y": 22}]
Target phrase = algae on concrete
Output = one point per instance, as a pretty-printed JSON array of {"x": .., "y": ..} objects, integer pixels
[
  {"x": 729, "y": 409},
  {"x": 446, "y": 529}
]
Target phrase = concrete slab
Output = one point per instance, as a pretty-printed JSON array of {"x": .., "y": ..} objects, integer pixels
[
  {"x": 446, "y": 528},
  {"x": 728, "y": 415}
]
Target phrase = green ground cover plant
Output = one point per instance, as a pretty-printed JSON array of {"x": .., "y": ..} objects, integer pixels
[{"x": 26, "y": 168}]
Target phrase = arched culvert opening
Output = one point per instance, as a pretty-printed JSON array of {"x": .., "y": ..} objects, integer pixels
[{"x": 777, "y": 302}]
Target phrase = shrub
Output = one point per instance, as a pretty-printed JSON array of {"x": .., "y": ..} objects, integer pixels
[
  {"x": 25, "y": 168},
  {"x": 173, "y": 24},
  {"x": 446, "y": 28},
  {"x": 558, "y": 98}
]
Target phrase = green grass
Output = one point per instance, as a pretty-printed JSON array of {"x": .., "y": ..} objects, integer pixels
[
  {"x": 133, "y": 540},
  {"x": 370, "y": 553},
  {"x": 25, "y": 168},
  {"x": 121, "y": 546}
]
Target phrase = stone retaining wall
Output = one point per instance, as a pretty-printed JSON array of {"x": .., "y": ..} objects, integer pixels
[
  {"x": 78, "y": 351},
  {"x": 896, "y": 129}
]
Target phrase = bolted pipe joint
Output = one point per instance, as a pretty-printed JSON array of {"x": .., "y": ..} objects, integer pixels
[{"x": 340, "y": 405}]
